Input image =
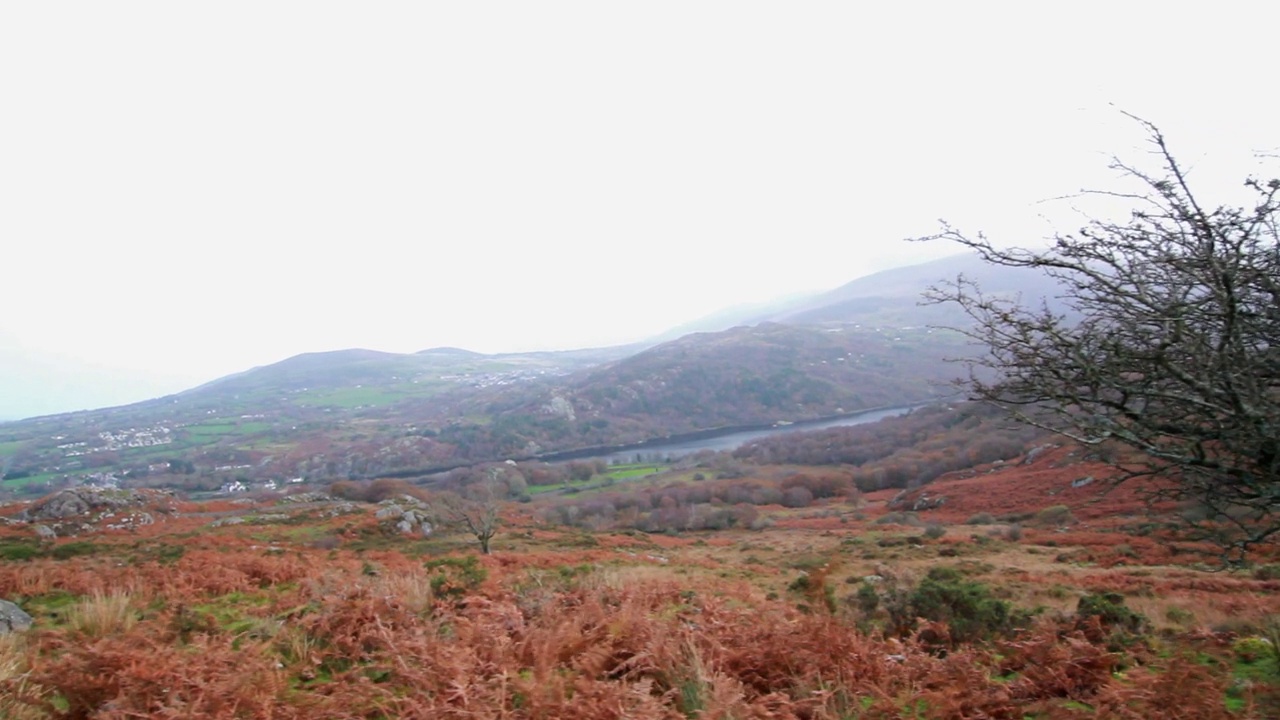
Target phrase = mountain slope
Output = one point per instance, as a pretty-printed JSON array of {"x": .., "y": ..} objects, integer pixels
[
  {"x": 890, "y": 298},
  {"x": 363, "y": 412}
]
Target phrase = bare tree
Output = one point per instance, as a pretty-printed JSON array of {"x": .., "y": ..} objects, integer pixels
[
  {"x": 1169, "y": 344},
  {"x": 476, "y": 511}
]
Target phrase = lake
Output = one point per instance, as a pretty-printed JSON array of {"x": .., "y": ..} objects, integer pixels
[{"x": 731, "y": 441}]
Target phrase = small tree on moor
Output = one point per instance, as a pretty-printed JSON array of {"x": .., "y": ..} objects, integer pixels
[
  {"x": 1169, "y": 344},
  {"x": 475, "y": 512}
]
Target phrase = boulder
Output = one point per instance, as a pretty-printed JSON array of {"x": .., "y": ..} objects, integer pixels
[
  {"x": 13, "y": 618},
  {"x": 405, "y": 515}
]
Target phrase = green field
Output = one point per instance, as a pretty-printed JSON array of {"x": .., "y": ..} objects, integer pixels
[
  {"x": 628, "y": 472},
  {"x": 601, "y": 481},
  {"x": 210, "y": 432},
  {"x": 9, "y": 448},
  {"x": 354, "y": 397},
  {"x": 22, "y": 482}
]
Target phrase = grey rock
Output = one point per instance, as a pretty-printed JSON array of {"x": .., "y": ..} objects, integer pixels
[
  {"x": 13, "y": 618},
  {"x": 1034, "y": 453},
  {"x": 306, "y": 497},
  {"x": 44, "y": 532},
  {"x": 97, "y": 502},
  {"x": 345, "y": 508},
  {"x": 237, "y": 520}
]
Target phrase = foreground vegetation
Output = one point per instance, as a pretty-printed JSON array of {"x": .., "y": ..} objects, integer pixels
[{"x": 846, "y": 607}]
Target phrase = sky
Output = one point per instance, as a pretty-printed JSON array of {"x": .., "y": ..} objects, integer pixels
[{"x": 188, "y": 190}]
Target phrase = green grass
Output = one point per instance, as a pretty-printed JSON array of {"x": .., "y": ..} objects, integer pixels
[
  {"x": 18, "y": 550},
  {"x": 210, "y": 432},
  {"x": 605, "y": 481},
  {"x": 11, "y": 447},
  {"x": 354, "y": 397},
  {"x": 627, "y": 472},
  {"x": 50, "y": 610},
  {"x": 34, "y": 479}
]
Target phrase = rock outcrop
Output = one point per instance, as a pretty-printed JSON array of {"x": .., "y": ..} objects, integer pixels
[
  {"x": 404, "y": 515},
  {"x": 84, "y": 510}
]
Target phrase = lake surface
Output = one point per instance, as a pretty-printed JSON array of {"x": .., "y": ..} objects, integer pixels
[{"x": 732, "y": 441}]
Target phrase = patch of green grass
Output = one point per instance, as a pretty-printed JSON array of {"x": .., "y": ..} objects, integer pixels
[
  {"x": 626, "y": 472},
  {"x": 31, "y": 480},
  {"x": 568, "y": 485},
  {"x": 161, "y": 553},
  {"x": 78, "y": 548},
  {"x": 17, "y": 550},
  {"x": 11, "y": 447},
  {"x": 51, "y": 609},
  {"x": 354, "y": 397},
  {"x": 212, "y": 431}
]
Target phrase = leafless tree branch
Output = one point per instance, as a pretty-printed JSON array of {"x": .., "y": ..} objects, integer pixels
[{"x": 1170, "y": 344}]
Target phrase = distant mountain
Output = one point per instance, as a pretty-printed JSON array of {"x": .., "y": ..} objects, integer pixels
[
  {"x": 310, "y": 377},
  {"x": 766, "y": 373},
  {"x": 760, "y": 375},
  {"x": 895, "y": 296},
  {"x": 319, "y": 369},
  {"x": 363, "y": 413},
  {"x": 891, "y": 298},
  {"x": 749, "y": 314}
]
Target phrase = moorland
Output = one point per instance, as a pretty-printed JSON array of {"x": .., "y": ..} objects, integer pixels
[{"x": 430, "y": 562}]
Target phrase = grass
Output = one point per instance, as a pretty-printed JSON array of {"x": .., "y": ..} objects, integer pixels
[
  {"x": 602, "y": 481},
  {"x": 11, "y": 447},
  {"x": 13, "y": 677},
  {"x": 209, "y": 432},
  {"x": 355, "y": 397},
  {"x": 628, "y": 472},
  {"x": 31, "y": 480},
  {"x": 339, "y": 618},
  {"x": 103, "y": 614}
]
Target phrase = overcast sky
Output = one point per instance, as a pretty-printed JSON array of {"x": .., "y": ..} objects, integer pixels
[{"x": 191, "y": 189}]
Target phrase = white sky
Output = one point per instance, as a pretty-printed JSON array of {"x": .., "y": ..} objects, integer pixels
[{"x": 191, "y": 189}]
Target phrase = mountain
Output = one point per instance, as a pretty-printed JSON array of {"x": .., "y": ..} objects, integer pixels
[
  {"x": 361, "y": 413},
  {"x": 891, "y": 298}
]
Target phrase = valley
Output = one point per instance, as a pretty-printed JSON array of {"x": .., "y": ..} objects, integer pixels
[
  {"x": 792, "y": 518},
  {"x": 720, "y": 585}
]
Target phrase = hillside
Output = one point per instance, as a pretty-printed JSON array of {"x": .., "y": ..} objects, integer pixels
[
  {"x": 362, "y": 413},
  {"x": 703, "y": 590},
  {"x": 891, "y": 298},
  {"x": 766, "y": 374}
]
